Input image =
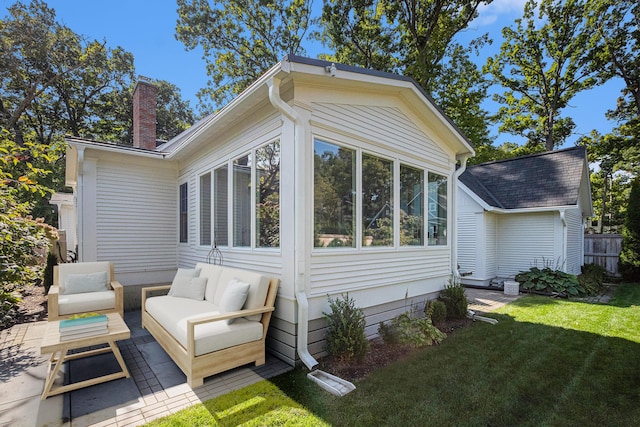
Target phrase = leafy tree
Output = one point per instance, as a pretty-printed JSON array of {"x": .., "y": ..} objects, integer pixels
[
  {"x": 359, "y": 34},
  {"x": 241, "y": 39},
  {"x": 543, "y": 63},
  {"x": 630, "y": 255},
  {"x": 415, "y": 38}
]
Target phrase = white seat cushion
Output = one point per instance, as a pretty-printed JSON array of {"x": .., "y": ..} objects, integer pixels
[
  {"x": 172, "y": 313},
  {"x": 86, "y": 302}
]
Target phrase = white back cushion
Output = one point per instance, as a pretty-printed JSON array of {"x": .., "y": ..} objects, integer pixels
[
  {"x": 82, "y": 268},
  {"x": 212, "y": 273},
  {"x": 258, "y": 287}
]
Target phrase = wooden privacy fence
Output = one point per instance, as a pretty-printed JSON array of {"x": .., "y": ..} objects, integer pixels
[{"x": 604, "y": 250}]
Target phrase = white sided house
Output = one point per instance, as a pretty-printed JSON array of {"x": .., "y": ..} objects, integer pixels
[
  {"x": 524, "y": 212},
  {"x": 333, "y": 178}
]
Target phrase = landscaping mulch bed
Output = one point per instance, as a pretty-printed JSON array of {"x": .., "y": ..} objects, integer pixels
[
  {"x": 33, "y": 306},
  {"x": 380, "y": 355}
]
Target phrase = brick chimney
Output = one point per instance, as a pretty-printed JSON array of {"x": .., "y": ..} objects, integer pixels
[{"x": 144, "y": 114}]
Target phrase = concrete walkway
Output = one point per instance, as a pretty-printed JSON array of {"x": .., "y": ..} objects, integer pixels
[
  {"x": 156, "y": 388},
  {"x": 485, "y": 301}
]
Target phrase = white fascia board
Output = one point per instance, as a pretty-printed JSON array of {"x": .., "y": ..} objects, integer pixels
[
  {"x": 176, "y": 144},
  {"x": 484, "y": 205},
  {"x": 102, "y": 146}
]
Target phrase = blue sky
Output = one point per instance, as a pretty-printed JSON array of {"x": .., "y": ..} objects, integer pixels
[{"x": 146, "y": 28}]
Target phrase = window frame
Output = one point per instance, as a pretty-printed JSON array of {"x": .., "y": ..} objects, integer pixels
[{"x": 183, "y": 214}]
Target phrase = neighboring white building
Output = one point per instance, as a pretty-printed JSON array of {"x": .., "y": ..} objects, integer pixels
[
  {"x": 316, "y": 174},
  {"x": 524, "y": 212}
]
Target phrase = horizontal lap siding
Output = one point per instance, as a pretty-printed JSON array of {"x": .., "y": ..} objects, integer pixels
[
  {"x": 467, "y": 242},
  {"x": 136, "y": 218},
  {"x": 383, "y": 125},
  {"x": 524, "y": 241},
  {"x": 575, "y": 241}
]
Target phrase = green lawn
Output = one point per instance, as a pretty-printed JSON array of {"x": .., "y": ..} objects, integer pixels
[{"x": 546, "y": 363}]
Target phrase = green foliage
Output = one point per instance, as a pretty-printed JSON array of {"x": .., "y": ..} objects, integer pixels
[
  {"x": 241, "y": 40},
  {"x": 417, "y": 332},
  {"x": 346, "y": 337},
  {"x": 550, "y": 280},
  {"x": 436, "y": 310},
  {"x": 592, "y": 278},
  {"x": 629, "y": 263},
  {"x": 47, "y": 282},
  {"x": 20, "y": 235},
  {"x": 543, "y": 63},
  {"x": 455, "y": 300},
  {"x": 8, "y": 308},
  {"x": 389, "y": 333}
]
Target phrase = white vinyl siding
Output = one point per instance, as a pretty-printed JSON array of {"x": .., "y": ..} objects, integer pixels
[
  {"x": 575, "y": 241},
  {"x": 467, "y": 241},
  {"x": 136, "y": 216},
  {"x": 526, "y": 240},
  {"x": 490, "y": 251},
  {"x": 385, "y": 125}
]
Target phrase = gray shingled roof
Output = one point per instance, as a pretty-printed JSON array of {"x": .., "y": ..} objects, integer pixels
[{"x": 540, "y": 180}]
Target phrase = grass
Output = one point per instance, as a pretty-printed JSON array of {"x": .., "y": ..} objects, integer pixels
[{"x": 547, "y": 362}]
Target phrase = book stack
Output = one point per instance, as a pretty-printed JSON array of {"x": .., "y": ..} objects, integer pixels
[{"x": 82, "y": 327}]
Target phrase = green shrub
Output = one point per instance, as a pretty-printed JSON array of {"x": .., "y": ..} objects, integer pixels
[
  {"x": 629, "y": 262},
  {"x": 592, "y": 278},
  {"x": 417, "y": 332},
  {"x": 549, "y": 280},
  {"x": 8, "y": 308},
  {"x": 436, "y": 310},
  {"x": 346, "y": 337},
  {"x": 389, "y": 333},
  {"x": 47, "y": 281},
  {"x": 455, "y": 301}
]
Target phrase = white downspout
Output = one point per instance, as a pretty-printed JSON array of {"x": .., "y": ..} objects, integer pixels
[
  {"x": 301, "y": 296},
  {"x": 563, "y": 218},
  {"x": 454, "y": 235},
  {"x": 79, "y": 204}
]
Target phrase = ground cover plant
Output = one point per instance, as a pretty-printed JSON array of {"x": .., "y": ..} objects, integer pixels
[{"x": 547, "y": 362}]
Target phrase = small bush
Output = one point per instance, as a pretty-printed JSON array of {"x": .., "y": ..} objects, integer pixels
[
  {"x": 47, "y": 281},
  {"x": 346, "y": 337},
  {"x": 417, "y": 332},
  {"x": 455, "y": 301},
  {"x": 8, "y": 308},
  {"x": 549, "y": 280},
  {"x": 592, "y": 278},
  {"x": 436, "y": 310},
  {"x": 389, "y": 333}
]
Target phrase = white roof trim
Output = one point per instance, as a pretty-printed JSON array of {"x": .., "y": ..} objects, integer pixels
[{"x": 104, "y": 146}]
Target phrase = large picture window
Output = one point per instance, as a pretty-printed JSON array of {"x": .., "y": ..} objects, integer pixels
[
  {"x": 242, "y": 201},
  {"x": 411, "y": 206},
  {"x": 377, "y": 201},
  {"x": 184, "y": 214},
  {"x": 334, "y": 190},
  {"x": 437, "y": 210},
  {"x": 221, "y": 213},
  {"x": 205, "y": 209},
  {"x": 268, "y": 196}
]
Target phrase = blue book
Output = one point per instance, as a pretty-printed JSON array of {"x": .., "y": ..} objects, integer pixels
[{"x": 83, "y": 321}]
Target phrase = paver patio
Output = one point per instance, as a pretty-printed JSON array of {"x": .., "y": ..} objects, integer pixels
[{"x": 156, "y": 388}]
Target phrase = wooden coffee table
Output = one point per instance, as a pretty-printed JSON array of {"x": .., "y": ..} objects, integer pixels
[{"x": 51, "y": 343}]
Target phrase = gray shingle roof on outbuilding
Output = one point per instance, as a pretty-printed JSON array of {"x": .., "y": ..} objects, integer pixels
[{"x": 540, "y": 180}]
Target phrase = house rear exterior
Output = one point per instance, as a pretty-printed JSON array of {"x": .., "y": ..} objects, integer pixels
[
  {"x": 520, "y": 213},
  {"x": 335, "y": 179}
]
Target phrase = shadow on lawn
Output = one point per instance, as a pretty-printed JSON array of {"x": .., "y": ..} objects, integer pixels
[{"x": 512, "y": 373}]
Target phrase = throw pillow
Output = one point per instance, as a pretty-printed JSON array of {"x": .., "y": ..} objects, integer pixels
[
  {"x": 184, "y": 272},
  {"x": 233, "y": 297},
  {"x": 189, "y": 287},
  {"x": 81, "y": 283}
]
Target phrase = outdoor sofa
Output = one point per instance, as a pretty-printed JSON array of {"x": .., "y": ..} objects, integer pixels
[
  {"x": 212, "y": 319},
  {"x": 84, "y": 287}
]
